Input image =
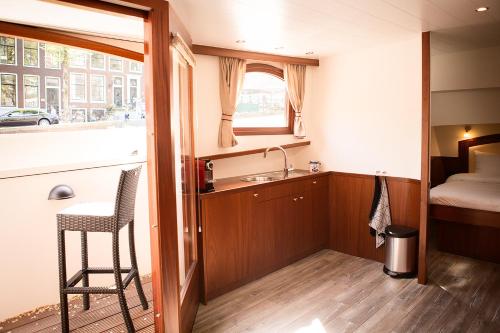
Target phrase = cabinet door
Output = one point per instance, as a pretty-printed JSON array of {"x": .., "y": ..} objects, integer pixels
[
  {"x": 223, "y": 242},
  {"x": 262, "y": 236}
]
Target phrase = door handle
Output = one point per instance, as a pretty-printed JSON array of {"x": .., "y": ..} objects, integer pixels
[{"x": 256, "y": 195}]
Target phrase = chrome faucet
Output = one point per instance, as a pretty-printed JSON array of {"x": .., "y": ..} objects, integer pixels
[{"x": 287, "y": 168}]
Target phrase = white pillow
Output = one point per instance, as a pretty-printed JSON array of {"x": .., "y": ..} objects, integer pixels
[{"x": 487, "y": 163}]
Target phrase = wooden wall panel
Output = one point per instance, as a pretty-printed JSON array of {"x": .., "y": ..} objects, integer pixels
[{"x": 351, "y": 197}]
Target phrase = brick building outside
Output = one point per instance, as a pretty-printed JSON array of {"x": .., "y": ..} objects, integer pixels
[{"x": 75, "y": 84}]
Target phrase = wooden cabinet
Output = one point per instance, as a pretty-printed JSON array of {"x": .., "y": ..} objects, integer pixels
[{"x": 250, "y": 233}]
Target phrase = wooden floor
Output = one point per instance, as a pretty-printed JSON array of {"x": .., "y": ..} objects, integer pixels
[
  {"x": 104, "y": 315},
  {"x": 335, "y": 292},
  {"x": 326, "y": 292}
]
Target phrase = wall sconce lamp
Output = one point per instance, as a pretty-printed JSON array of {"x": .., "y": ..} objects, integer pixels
[
  {"x": 61, "y": 192},
  {"x": 467, "y": 134}
]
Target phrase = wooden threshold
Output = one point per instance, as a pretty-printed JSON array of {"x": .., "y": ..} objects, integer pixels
[
  {"x": 252, "y": 151},
  {"x": 218, "y": 51}
]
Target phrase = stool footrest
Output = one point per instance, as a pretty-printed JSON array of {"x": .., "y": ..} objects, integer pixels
[{"x": 71, "y": 289}]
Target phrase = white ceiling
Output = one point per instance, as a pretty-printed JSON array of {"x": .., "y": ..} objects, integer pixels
[
  {"x": 323, "y": 26},
  {"x": 290, "y": 27}
]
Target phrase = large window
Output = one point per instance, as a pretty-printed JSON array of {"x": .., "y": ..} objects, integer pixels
[
  {"x": 68, "y": 85},
  {"x": 263, "y": 106},
  {"x": 78, "y": 87},
  {"x": 7, "y": 50},
  {"x": 31, "y": 54},
  {"x": 97, "y": 89},
  {"x": 31, "y": 91},
  {"x": 8, "y": 88}
]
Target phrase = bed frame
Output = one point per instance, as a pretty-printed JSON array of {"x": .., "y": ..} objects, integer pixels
[{"x": 463, "y": 231}]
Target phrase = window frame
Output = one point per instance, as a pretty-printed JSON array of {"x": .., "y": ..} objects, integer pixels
[
  {"x": 122, "y": 87},
  {"x": 17, "y": 91},
  {"x": 37, "y": 50},
  {"x": 74, "y": 51},
  {"x": 277, "y": 72},
  {"x": 38, "y": 97},
  {"x": 110, "y": 59},
  {"x": 47, "y": 87},
  {"x": 71, "y": 95},
  {"x": 103, "y": 68},
  {"x": 49, "y": 55},
  {"x": 92, "y": 100},
  {"x": 15, "y": 51}
]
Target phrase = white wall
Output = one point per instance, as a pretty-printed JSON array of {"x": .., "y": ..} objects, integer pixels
[
  {"x": 367, "y": 110},
  {"x": 472, "y": 69},
  {"x": 207, "y": 106},
  {"x": 28, "y": 238}
]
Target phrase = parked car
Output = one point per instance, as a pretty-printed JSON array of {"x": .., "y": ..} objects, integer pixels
[{"x": 24, "y": 117}]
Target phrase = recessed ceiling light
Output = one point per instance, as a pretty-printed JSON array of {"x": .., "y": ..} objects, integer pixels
[
  {"x": 482, "y": 9},
  {"x": 241, "y": 41},
  {"x": 310, "y": 52}
]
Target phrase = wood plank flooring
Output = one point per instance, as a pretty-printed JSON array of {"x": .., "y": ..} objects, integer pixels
[
  {"x": 326, "y": 292},
  {"x": 335, "y": 292},
  {"x": 104, "y": 315}
]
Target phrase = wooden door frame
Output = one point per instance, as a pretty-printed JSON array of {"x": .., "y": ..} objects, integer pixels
[
  {"x": 160, "y": 153},
  {"x": 424, "y": 176}
]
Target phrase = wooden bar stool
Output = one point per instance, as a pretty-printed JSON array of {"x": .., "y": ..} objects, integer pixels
[{"x": 101, "y": 217}]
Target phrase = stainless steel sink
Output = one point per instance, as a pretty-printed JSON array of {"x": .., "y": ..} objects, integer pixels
[
  {"x": 273, "y": 176},
  {"x": 260, "y": 178}
]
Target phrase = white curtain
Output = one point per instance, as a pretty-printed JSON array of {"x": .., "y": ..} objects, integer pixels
[
  {"x": 231, "y": 76},
  {"x": 295, "y": 78}
]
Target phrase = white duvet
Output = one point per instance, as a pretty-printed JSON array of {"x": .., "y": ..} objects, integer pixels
[{"x": 468, "y": 190}]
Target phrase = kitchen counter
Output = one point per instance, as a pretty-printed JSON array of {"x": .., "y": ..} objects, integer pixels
[{"x": 231, "y": 184}]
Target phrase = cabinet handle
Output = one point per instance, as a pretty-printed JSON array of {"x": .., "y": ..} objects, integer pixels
[
  {"x": 295, "y": 199},
  {"x": 301, "y": 198},
  {"x": 315, "y": 181},
  {"x": 256, "y": 195}
]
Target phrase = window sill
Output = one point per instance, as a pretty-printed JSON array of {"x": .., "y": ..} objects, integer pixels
[{"x": 241, "y": 131}]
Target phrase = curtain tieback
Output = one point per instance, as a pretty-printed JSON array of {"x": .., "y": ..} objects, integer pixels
[{"x": 227, "y": 117}]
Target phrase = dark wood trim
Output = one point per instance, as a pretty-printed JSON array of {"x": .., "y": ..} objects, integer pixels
[
  {"x": 252, "y": 151},
  {"x": 277, "y": 72},
  {"x": 464, "y": 145},
  {"x": 362, "y": 175},
  {"x": 108, "y": 7},
  {"x": 482, "y": 218},
  {"x": 424, "y": 179},
  {"x": 218, "y": 51},
  {"x": 58, "y": 37}
]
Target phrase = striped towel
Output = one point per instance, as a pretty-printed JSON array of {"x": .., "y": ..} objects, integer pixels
[{"x": 380, "y": 214}]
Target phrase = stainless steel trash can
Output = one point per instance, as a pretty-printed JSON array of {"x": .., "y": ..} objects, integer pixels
[{"x": 400, "y": 251}]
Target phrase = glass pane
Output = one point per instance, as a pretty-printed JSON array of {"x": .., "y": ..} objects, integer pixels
[
  {"x": 77, "y": 58},
  {"x": 97, "y": 88},
  {"x": 54, "y": 56},
  {"x": 52, "y": 82},
  {"x": 7, "y": 50},
  {"x": 115, "y": 64},
  {"x": 97, "y": 61},
  {"x": 30, "y": 53},
  {"x": 262, "y": 102},
  {"x": 8, "y": 90}
]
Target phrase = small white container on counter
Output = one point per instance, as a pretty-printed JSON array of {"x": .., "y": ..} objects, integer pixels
[{"x": 314, "y": 166}]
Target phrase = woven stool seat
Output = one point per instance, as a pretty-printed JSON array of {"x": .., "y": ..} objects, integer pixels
[{"x": 101, "y": 217}]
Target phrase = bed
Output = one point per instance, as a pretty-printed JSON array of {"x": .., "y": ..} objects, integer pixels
[{"x": 465, "y": 206}]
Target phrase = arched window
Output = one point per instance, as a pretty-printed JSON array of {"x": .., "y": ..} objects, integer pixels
[{"x": 263, "y": 106}]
